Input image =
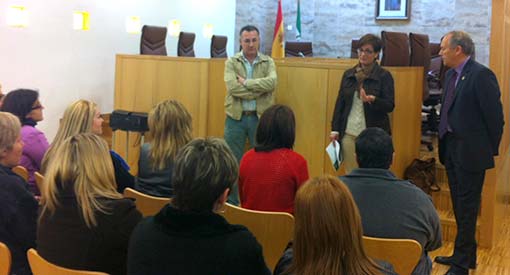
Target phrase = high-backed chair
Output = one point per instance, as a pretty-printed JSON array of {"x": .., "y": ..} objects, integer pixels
[
  {"x": 273, "y": 230},
  {"x": 39, "y": 179},
  {"x": 148, "y": 205},
  {"x": 21, "y": 171},
  {"x": 434, "y": 48},
  {"x": 185, "y": 44},
  {"x": 5, "y": 260},
  {"x": 420, "y": 56},
  {"x": 354, "y": 48},
  {"x": 395, "y": 49},
  {"x": 298, "y": 49},
  {"x": 40, "y": 266},
  {"x": 153, "y": 40},
  {"x": 403, "y": 254},
  {"x": 219, "y": 46}
]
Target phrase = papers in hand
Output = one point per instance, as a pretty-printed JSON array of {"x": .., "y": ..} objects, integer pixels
[{"x": 335, "y": 154}]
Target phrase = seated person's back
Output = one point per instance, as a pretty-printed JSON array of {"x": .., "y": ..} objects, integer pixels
[
  {"x": 169, "y": 130},
  {"x": 85, "y": 224},
  {"x": 389, "y": 207},
  {"x": 271, "y": 173},
  {"x": 188, "y": 237}
]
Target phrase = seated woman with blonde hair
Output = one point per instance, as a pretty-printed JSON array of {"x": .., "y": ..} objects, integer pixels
[
  {"x": 83, "y": 116},
  {"x": 327, "y": 233},
  {"x": 18, "y": 208},
  {"x": 169, "y": 130},
  {"x": 85, "y": 223}
]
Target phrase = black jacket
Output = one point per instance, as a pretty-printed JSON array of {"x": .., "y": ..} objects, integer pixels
[
  {"x": 64, "y": 239},
  {"x": 153, "y": 181},
  {"x": 18, "y": 219},
  {"x": 187, "y": 243},
  {"x": 475, "y": 117},
  {"x": 380, "y": 84}
]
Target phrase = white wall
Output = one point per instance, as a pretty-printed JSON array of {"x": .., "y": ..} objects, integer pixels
[{"x": 66, "y": 65}]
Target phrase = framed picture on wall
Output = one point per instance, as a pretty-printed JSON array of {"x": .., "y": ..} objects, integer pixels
[{"x": 392, "y": 10}]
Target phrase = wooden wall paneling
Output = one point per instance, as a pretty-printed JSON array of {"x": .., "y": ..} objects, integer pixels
[
  {"x": 496, "y": 191},
  {"x": 334, "y": 79},
  {"x": 406, "y": 117},
  {"x": 305, "y": 91},
  {"x": 186, "y": 82},
  {"x": 216, "y": 103}
]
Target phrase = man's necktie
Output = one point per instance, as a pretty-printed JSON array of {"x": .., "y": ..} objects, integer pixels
[{"x": 448, "y": 100}]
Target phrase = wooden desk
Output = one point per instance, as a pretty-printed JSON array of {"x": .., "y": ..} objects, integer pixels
[{"x": 308, "y": 86}]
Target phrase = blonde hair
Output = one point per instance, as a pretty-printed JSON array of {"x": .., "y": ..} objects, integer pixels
[
  {"x": 10, "y": 128},
  {"x": 328, "y": 231},
  {"x": 169, "y": 129},
  {"x": 78, "y": 118},
  {"x": 82, "y": 162}
]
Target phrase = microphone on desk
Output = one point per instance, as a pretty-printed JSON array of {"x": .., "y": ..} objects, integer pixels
[{"x": 301, "y": 54}]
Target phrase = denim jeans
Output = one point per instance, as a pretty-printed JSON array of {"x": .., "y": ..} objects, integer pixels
[{"x": 236, "y": 132}]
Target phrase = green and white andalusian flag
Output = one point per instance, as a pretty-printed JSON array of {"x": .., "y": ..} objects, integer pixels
[{"x": 298, "y": 21}]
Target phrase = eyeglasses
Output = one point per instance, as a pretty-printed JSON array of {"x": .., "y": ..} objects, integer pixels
[
  {"x": 37, "y": 107},
  {"x": 360, "y": 51}
]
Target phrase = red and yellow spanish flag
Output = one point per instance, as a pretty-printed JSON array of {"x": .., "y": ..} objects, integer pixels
[{"x": 278, "y": 37}]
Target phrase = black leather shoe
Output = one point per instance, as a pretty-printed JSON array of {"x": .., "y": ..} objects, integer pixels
[{"x": 447, "y": 260}]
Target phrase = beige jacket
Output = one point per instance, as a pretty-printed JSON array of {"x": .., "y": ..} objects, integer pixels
[{"x": 260, "y": 87}]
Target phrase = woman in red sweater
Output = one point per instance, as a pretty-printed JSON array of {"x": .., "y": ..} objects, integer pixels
[{"x": 271, "y": 173}]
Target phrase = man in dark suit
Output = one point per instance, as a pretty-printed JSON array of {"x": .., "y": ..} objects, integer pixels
[{"x": 470, "y": 130}]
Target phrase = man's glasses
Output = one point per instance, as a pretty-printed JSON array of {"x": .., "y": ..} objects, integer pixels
[
  {"x": 360, "y": 51},
  {"x": 37, "y": 107}
]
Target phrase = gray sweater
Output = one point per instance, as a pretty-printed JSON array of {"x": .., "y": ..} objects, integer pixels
[{"x": 394, "y": 208}]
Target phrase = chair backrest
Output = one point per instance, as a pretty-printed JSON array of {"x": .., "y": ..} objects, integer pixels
[
  {"x": 403, "y": 254},
  {"x": 185, "y": 44},
  {"x": 420, "y": 57},
  {"x": 21, "y": 171},
  {"x": 148, "y": 205},
  {"x": 153, "y": 40},
  {"x": 298, "y": 49},
  {"x": 273, "y": 230},
  {"x": 395, "y": 49},
  {"x": 354, "y": 48},
  {"x": 434, "y": 48},
  {"x": 5, "y": 260},
  {"x": 40, "y": 266},
  {"x": 219, "y": 46},
  {"x": 39, "y": 179}
]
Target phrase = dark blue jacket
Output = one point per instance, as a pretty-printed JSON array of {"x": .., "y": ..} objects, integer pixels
[{"x": 475, "y": 117}]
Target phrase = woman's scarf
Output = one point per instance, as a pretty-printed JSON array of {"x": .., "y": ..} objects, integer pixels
[{"x": 362, "y": 73}]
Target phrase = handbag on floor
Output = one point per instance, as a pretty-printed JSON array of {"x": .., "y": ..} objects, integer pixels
[{"x": 422, "y": 173}]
